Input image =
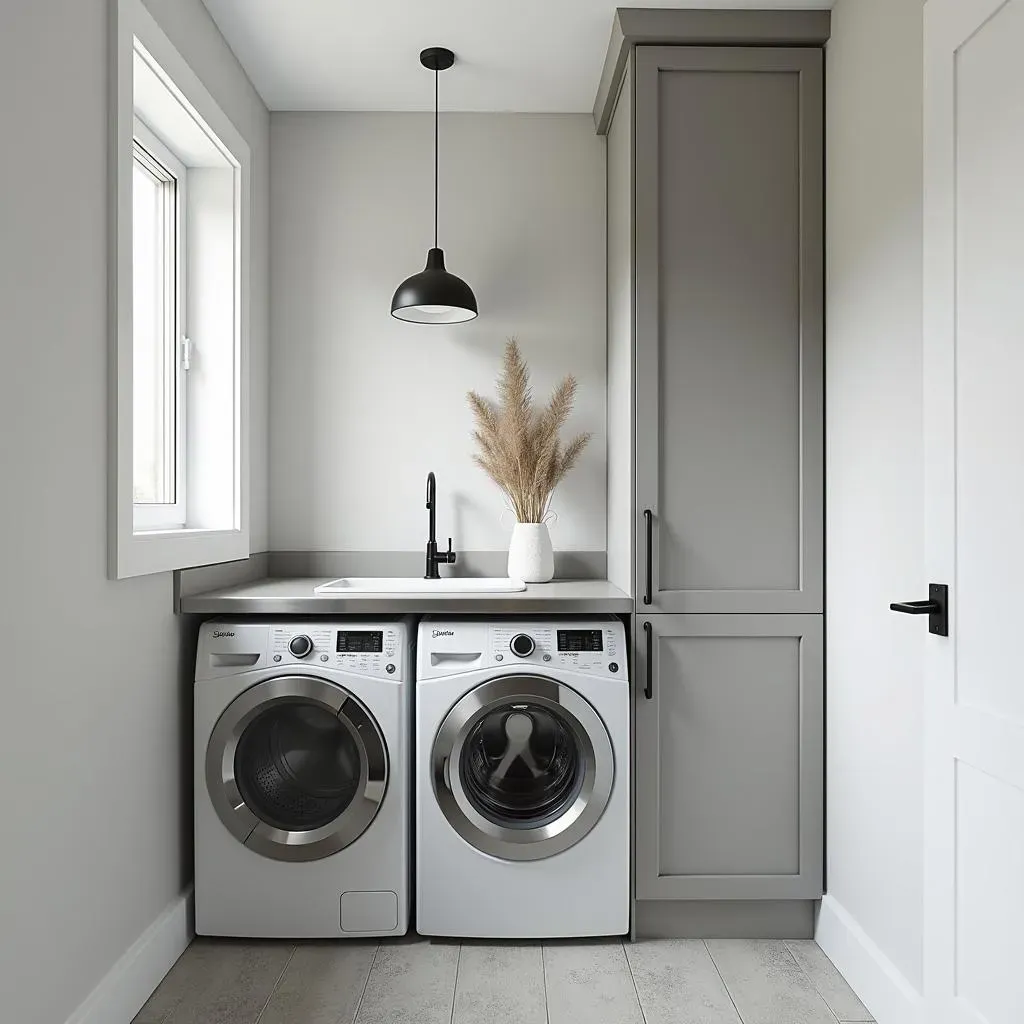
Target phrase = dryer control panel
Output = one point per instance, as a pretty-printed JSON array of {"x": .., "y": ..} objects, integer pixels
[
  {"x": 596, "y": 646},
  {"x": 362, "y": 648}
]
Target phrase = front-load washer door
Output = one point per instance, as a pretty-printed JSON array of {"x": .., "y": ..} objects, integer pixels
[
  {"x": 296, "y": 768},
  {"x": 522, "y": 767}
]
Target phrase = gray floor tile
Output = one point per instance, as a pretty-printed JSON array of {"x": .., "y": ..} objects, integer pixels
[
  {"x": 766, "y": 983},
  {"x": 410, "y": 983},
  {"x": 831, "y": 985},
  {"x": 322, "y": 984},
  {"x": 590, "y": 983},
  {"x": 678, "y": 983},
  {"x": 500, "y": 985},
  {"x": 217, "y": 981}
]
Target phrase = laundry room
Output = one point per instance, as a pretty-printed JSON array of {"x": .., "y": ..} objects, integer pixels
[{"x": 506, "y": 508}]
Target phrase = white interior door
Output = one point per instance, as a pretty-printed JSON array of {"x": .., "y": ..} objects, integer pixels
[{"x": 974, "y": 423}]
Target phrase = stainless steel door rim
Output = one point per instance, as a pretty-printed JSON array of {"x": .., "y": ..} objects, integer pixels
[
  {"x": 575, "y": 820},
  {"x": 240, "y": 819}
]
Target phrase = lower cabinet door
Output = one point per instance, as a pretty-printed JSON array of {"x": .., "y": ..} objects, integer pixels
[{"x": 729, "y": 756}]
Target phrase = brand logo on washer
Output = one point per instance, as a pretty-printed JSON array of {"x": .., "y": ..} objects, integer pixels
[
  {"x": 222, "y": 632},
  {"x": 442, "y": 632}
]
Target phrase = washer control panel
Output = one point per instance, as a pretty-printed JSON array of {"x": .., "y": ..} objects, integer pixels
[
  {"x": 595, "y": 646},
  {"x": 583, "y": 647},
  {"x": 380, "y": 649}
]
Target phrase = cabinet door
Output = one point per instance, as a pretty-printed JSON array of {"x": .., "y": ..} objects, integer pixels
[
  {"x": 729, "y": 258},
  {"x": 729, "y": 748}
]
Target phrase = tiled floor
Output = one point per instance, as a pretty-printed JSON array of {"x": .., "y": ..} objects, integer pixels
[{"x": 415, "y": 981}]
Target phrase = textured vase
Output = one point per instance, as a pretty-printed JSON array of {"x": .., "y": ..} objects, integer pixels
[{"x": 530, "y": 557}]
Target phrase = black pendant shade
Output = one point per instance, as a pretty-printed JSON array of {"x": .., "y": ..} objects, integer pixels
[{"x": 434, "y": 296}]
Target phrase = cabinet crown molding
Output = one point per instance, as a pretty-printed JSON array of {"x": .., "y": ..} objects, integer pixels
[{"x": 639, "y": 26}]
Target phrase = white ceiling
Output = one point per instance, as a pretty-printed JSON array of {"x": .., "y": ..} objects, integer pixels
[{"x": 534, "y": 55}]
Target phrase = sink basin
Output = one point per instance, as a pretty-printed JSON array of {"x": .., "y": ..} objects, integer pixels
[{"x": 416, "y": 585}]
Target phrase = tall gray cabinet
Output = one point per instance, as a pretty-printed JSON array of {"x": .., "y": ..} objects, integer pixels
[{"x": 715, "y": 262}]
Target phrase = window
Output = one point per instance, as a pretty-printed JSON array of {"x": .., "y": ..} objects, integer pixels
[
  {"x": 180, "y": 250},
  {"x": 159, "y": 385}
]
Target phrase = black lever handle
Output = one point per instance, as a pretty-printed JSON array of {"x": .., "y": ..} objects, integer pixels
[
  {"x": 915, "y": 607},
  {"x": 936, "y": 608},
  {"x": 649, "y": 517},
  {"x": 649, "y": 688}
]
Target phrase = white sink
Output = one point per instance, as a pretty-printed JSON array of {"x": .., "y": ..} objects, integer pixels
[{"x": 417, "y": 585}]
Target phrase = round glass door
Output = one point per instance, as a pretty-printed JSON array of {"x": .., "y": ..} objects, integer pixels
[
  {"x": 296, "y": 768},
  {"x": 522, "y": 767}
]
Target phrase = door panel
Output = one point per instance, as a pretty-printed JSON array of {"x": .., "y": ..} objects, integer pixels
[
  {"x": 974, "y": 462},
  {"x": 729, "y": 271},
  {"x": 729, "y": 774},
  {"x": 989, "y": 880},
  {"x": 990, "y": 360}
]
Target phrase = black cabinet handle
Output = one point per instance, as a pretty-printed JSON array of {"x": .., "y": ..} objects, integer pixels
[
  {"x": 649, "y": 517},
  {"x": 936, "y": 608},
  {"x": 649, "y": 688}
]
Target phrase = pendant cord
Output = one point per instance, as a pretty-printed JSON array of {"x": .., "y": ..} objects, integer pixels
[{"x": 435, "y": 155}]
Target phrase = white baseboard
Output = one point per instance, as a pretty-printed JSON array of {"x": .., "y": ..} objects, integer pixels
[
  {"x": 886, "y": 992},
  {"x": 131, "y": 981}
]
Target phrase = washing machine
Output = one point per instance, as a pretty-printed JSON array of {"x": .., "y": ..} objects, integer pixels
[
  {"x": 303, "y": 778},
  {"x": 522, "y": 778}
]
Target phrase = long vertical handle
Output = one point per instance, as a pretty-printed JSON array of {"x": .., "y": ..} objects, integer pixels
[
  {"x": 649, "y": 688},
  {"x": 649, "y": 517}
]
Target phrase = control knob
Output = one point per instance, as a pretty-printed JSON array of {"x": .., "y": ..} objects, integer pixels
[
  {"x": 522, "y": 645},
  {"x": 300, "y": 646}
]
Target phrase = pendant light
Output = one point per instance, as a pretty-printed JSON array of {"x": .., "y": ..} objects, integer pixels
[{"x": 434, "y": 296}]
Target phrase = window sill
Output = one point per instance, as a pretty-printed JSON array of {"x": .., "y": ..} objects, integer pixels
[{"x": 153, "y": 551}]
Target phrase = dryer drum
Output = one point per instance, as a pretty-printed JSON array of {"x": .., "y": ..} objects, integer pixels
[{"x": 297, "y": 766}]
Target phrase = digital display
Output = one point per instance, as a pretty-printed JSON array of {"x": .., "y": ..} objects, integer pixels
[
  {"x": 366, "y": 641},
  {"x": 575, "y": 641}
]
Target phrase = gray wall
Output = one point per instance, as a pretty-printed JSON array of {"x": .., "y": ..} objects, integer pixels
[
  {"x": 362, "y": 405},
  {"x": 96, "y": 701},
  {"x": 874, "y": 473}
]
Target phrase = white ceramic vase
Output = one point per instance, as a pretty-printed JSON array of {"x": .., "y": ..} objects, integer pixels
[{"x": 530, "y": 557}]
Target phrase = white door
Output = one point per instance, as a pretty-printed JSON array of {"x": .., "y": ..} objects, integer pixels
[{"x": 974, "y": 445}]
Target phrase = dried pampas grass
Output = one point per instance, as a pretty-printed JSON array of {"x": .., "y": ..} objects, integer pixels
[{"x": 519, "y": 448}]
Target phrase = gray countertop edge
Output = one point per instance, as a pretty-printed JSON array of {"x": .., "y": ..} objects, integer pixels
[{"x": 296, "y": 597}]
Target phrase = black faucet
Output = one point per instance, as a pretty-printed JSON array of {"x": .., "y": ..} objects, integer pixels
[{"x": 434, "y": 558}]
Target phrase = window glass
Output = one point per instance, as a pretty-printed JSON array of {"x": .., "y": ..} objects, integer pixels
[{"x": 154, "y": 332}]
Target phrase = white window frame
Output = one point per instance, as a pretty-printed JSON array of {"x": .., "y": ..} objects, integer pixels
[
  {"x": 171, "y": 515},
  {"x": 216, "y": 524}
]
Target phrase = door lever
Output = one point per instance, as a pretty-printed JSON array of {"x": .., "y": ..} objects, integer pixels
[{"x": 936, "y": 608}]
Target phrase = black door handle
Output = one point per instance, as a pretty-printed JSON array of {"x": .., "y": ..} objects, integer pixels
[
  {"x": 649, "y": 688},
  {"x": 915, "y": 607},
  {"x": 649, "y": 517},
  {"x": 936, "y": 608}
]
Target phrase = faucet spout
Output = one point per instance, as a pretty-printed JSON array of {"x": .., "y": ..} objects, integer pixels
[
  {"x": 432, "y": 508},
  {"x": 434, "y": 558}
]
